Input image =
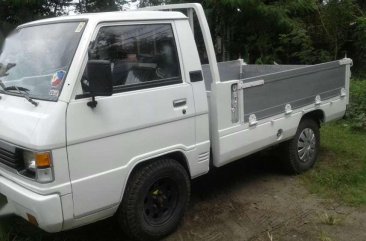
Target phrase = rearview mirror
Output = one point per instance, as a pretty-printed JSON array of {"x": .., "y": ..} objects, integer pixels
[{"x": 99, "y": 75}]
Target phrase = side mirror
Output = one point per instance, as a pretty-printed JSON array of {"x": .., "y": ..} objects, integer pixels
[{"x": 99, "y": 74}]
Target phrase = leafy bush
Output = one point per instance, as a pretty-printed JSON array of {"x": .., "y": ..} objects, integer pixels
[
  {"x": 357, "y": 109},
  {"x": 358, "y": 49}
]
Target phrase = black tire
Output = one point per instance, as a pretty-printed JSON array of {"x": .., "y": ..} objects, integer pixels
[
  {"x": 155, "y": 200},
  {"x": 293, "y": 160}
]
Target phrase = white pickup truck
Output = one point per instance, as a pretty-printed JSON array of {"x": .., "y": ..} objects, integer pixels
[{"x": 113, "y": 113}]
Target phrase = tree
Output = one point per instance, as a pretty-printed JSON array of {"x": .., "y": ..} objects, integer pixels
[
  {"x": 358, "y": 46},
  {"x": 336, "y": 18},
  {"x": 13, "y": 13},
  {"x": 260, "y": 31},
  {"x": 87, "y": 6},
  {"x": 146, "y": 3}
]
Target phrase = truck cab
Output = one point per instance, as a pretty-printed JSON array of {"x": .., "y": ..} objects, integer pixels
[{"x": 158, "y": 92}]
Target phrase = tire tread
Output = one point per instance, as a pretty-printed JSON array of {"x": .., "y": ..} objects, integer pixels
[
  {"x": 289, "y": 148},
  {"x": 127, "y": 219}
]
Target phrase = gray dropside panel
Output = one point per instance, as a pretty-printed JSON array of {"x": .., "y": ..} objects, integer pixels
[
  {"x": 297, "y": 87},
  {"x": 229, "y": 70},
  {"x": 253, "y": 70}
]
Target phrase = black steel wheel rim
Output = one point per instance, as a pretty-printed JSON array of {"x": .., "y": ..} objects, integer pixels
[{"x": 160, "y": 201}]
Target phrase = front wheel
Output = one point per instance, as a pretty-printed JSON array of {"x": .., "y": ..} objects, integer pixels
[
  {"x": 302, "y": 151},
  {"x": 155, "y": 200}
]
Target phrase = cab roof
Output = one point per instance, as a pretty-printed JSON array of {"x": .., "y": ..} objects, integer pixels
[{"x": 113, "y": 16}]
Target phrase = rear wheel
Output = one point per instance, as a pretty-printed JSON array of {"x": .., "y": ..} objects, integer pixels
[
  {"x": 302, "y": 151},
  {"x": 155, "y": 200}
]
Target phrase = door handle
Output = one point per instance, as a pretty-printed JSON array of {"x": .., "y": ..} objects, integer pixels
[{"x": 179, "y": 103}]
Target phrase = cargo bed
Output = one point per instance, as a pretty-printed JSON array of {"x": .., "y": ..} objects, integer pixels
[
  {"x": 270, "y": 93},
  {"x": 256, "y": 106}
]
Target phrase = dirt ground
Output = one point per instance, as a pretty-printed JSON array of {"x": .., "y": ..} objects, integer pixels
[
  {"x": 253, "y": 200},
  {"x": 249, "y": 200}
]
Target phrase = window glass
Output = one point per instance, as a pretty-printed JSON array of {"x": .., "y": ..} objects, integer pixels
[
  {"x": 139, "y": 54},
  {"x": 37, "y": 58}
]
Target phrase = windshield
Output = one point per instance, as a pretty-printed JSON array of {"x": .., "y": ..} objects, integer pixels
[{"x": 36, "y": 59}]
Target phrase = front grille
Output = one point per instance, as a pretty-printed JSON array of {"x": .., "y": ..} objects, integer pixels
[{"x": 11, "y": 156}]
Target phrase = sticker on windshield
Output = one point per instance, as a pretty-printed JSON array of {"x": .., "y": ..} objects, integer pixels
[
  {"x": 54, "y": 92},
  {"x": 58, "y": 78},
  {"x": 80, "y": 27}
]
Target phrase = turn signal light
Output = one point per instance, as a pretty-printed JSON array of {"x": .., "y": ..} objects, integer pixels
[
  {"x": 32, "y": 219},
  {"x": 43, "y": 159}
]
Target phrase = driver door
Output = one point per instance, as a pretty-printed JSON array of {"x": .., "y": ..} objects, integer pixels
[{"x": 150, "y": 112}]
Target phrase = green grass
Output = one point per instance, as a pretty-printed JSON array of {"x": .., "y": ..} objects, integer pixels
[
  {"x": 341, "y": 170},
  {"x": 340, "y": 173}
]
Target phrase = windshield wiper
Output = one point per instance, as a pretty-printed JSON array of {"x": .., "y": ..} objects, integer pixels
[
  {"x": 24, "y": 94},
  {"x": 16, "y": 88},
  {"x": 22, "y": 91}
]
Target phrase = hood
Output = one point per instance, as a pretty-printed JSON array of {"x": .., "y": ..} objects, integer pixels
[{"x": 39, "y": 127}]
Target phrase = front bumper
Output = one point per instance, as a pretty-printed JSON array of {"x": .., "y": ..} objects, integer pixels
[{"x": 20, "y": 201}]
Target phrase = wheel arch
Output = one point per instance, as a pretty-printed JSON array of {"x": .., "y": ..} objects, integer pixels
[
  {"x": 177, "y": 155},
  {"x": 316, "y": 115}
]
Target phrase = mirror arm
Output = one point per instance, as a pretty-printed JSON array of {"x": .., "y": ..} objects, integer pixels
[{"x": 93, "y": 103}]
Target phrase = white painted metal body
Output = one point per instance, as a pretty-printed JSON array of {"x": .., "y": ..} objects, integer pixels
[{"x": 95, "y": 150}]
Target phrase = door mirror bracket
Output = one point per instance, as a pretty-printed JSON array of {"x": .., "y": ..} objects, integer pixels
[{"x": 93, "y": 103}]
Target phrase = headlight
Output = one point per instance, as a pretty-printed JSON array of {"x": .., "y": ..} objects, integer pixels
[
  {"x": 38, "y": 166},
  {"x": 29, "y": 161}
]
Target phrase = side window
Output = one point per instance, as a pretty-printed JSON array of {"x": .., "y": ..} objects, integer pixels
[{"x": 141, "y": 56}]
